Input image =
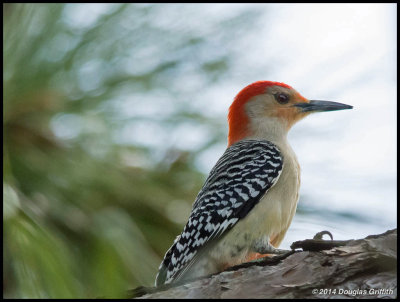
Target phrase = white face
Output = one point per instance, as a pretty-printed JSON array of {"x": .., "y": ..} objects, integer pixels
[
  {"x": 276, "y": 106},
  {"x": 271, "y": 113}
]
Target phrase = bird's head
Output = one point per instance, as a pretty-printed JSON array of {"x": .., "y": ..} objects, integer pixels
[{"x": 267, "y": 108}]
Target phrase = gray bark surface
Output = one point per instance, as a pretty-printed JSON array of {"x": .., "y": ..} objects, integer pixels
[{"x": 364, "y": 268}]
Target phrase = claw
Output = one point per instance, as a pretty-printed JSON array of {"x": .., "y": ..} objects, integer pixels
[
  {"x": 319, "y": 235},
  {"x": 280, "y": 255}
]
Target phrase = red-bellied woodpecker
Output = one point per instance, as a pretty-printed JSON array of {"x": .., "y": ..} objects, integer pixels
[{"x": 250, "y": 196}]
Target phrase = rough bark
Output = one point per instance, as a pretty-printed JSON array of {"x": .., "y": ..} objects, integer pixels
[{"x": 364, "y": 268}]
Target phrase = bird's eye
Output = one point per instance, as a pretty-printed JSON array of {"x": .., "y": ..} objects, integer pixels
[{"x": 282, "y": 98}]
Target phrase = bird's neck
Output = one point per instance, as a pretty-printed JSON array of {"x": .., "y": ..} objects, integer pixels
[
  {"x": 271, "y": 129},
  {"x": 276, "y": 132}
]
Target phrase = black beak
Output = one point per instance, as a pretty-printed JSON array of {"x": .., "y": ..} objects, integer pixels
[{"x": 315, "y": 106}]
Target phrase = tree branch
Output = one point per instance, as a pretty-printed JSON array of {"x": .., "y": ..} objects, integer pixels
[{"x": 363, "y": 268}]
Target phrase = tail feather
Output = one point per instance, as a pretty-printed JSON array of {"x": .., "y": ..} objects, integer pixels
[{"x": 161, "y": 277}]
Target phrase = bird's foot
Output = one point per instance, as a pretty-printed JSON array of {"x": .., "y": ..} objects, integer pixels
[
  {"x": 266, "y": 260},
  {"x": 270, "y": 259},
  {"x": 265, "y": 248}
]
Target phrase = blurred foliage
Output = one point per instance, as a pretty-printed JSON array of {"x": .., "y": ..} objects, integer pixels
[{"x": 88, "y": 210}]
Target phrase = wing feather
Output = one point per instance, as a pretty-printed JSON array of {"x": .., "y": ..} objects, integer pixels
[{"x": 234, "y": 186}]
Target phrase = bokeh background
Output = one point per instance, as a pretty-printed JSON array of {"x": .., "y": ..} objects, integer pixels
[{"x": 113, "y": 115}]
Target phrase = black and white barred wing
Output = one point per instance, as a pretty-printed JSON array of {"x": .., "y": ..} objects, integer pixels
[{"x": 237, "y": 182}]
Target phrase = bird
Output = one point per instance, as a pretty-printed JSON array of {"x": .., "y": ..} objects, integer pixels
[{"x": 249, "y": 198}]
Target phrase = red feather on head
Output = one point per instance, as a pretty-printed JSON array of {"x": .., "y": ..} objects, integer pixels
[{"x": 237, "y": 117}]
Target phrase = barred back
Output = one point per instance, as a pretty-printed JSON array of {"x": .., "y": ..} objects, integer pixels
[{"x": 234, "y": 186}]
